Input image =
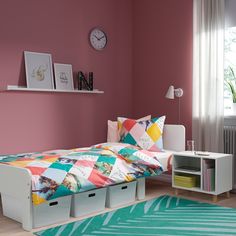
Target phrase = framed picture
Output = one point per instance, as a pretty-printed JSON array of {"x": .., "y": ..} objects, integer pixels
[
  {"x": 38, "y": 67},
  {"x": 63, "y": 76}
]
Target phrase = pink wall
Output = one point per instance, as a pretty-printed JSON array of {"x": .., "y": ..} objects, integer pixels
[
  {"x": 149, "y": 48},
  {"x": 40, "y": 121},
  {"x": 162, "y": 46}
]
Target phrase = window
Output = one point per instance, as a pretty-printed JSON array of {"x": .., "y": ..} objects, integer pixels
[
  {"x": 230, "y": 72},
  {"x": 230, "y": 58}
]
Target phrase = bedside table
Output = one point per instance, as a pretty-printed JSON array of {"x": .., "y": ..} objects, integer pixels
[{"x": 203, "y": 172}]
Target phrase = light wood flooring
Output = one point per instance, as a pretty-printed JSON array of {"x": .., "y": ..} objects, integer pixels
[{"x": 153, "y": 189}]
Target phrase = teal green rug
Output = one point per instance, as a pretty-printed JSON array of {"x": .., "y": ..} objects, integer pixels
[{"x": 165, "y": 215}]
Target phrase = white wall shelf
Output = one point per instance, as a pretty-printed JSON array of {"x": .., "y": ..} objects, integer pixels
[{"x": 24, "y": 89}]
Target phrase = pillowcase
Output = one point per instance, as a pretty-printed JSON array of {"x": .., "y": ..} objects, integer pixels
[
  {"x": 113, "y": 135},
  {"x": 144, "y": 134}
]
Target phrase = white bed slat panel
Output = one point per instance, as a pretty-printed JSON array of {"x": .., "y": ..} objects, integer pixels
[
  {"x": 15, "y": 183},
  {"x": 174, "y": 137}
]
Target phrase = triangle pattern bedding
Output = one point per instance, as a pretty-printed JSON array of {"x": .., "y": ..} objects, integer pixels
[{"x": 64, "y": 172}]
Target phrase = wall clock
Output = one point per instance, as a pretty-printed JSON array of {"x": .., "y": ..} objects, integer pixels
[{"x": 98, "y": 39}]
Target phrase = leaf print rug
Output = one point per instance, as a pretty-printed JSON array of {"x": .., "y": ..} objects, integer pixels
[{"x": 166, "y": 215}]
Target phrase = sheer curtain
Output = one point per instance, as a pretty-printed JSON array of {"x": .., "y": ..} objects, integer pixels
[{"x": 208, "y": 74}]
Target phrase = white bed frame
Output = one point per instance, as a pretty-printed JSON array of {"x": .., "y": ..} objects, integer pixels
[{"x": 15, "y": 182}]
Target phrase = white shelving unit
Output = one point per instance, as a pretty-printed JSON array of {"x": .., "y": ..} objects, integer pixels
[
  {"x": 191, "y": 164},
  {"x": 24, "y": 89}
]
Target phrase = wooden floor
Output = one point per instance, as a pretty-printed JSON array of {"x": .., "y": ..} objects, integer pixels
[{"x": 153, "y": 190}]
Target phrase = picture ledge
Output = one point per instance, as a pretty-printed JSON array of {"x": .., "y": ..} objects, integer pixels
[{"x": 24, "y": 89}]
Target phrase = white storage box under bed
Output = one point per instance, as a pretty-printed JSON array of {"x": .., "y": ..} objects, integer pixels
[
  {"x": 121, "y": 194},
  {"x": 88, "y": 202},
  {"x": 51, "y": 212}
]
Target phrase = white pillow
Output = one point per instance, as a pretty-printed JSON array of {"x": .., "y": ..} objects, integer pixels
[{"x": 112, "y": 129}]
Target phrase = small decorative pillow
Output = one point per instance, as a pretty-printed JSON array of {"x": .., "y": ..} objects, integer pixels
[
  {"x": 144, "y": 134},
  {"x": 112, "y": 132},
  {"x": 112, "y": 129}
]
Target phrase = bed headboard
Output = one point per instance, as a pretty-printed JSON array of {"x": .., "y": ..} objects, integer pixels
[{"x": 174, "y": 137}]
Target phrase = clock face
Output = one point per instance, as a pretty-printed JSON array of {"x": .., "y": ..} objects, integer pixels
[{"x": 98, "y": 39}]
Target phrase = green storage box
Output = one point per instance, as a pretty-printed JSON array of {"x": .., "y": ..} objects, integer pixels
[{"x": 185, "y": 180}]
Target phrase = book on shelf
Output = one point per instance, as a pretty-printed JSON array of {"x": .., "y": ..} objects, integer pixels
[{"x": 209, "y": 175}]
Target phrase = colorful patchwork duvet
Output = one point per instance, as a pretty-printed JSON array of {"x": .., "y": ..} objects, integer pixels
[{"x": 65, "y": 172}]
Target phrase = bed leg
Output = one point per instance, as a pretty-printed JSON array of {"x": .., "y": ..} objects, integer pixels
[
  {"x": 176, "y": 192},
  {"x": 27, "y": 216},
  {"x": 141, "y": 188}
]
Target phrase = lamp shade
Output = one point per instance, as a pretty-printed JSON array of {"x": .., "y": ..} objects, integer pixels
[{"x": 170, "y": 93}]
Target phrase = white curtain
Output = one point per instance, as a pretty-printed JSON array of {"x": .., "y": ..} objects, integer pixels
[{"x": 208, "y": 74}]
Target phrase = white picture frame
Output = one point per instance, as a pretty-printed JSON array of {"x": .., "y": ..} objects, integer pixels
[
  {"x": 63, "y": 76},
  {"x": 38, "y": 68}
]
